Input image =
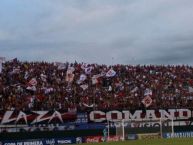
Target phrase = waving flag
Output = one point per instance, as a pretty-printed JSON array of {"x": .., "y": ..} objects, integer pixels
[
  {"x": 88, "y": 70},
  {"x": 69, "y": 74},
  {"x": 69, "y": 77},
  {"x": 89, "y": 106},
  {"x": 33, "y": 82},
  {"x": 111, "y": 73},
  {"x": 60, "y": 65},
  {"x": 190, "y": 89},
  {"x": 82, "y": 77},
  {"x": 84, "y": 87},
  {"x": 95, "y": 79},
  {"x": 148, "y": 92},
  {"x": 43, "y": 77},
  {"x": 84, "y": 65},
  {"x": 147, "y": 101},
  {"x": 31, "y": 88},
  {"x": 70, "y": 69},
  {"x": 15, "y": 70}
]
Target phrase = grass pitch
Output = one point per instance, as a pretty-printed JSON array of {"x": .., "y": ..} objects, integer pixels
[{"x": 176, "y": 141}]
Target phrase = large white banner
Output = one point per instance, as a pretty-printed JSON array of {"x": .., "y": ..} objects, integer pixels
[{"x": 117, "y": 115}]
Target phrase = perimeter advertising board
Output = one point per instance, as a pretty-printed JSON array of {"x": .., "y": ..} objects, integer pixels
[
  {"x": 178, "y": 135},
  {"x": 96, "y": 119},
  {"x": 52, "y": 141}
]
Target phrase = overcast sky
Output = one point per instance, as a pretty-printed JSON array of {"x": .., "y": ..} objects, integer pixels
[{"x": 98, "y": 31}]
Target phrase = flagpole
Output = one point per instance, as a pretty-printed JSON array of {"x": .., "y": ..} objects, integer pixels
[
  {"x": 94, "y": 99},
  {"x": 112, "y": 60}
]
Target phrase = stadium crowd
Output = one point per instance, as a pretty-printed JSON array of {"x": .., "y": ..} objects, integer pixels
[{"x": 79, "y": 86}]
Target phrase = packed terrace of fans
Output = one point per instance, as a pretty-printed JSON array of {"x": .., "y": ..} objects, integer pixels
[{"x": 77, "y": 86}]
